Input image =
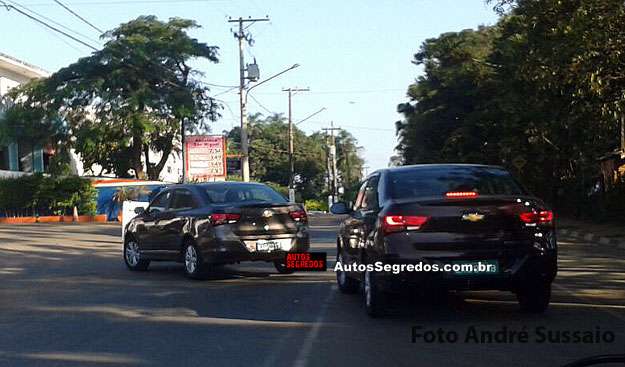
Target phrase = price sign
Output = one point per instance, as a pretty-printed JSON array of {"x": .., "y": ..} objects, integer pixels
[{"x": 205, "y": 157}]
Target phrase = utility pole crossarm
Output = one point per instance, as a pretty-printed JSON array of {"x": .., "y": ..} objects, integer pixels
[{"x": 245, "y": 20}]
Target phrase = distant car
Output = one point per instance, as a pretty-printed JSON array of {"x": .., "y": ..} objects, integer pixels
[
  {"x": 448, "y": 214},
  {"x": 207, "y": 224}
]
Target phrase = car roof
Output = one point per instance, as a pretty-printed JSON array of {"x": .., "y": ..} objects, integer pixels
[
  {"x": 208, "y": 184},
  {"x": 433, "y": 165}
]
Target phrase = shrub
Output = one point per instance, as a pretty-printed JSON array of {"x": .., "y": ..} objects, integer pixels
[
  {"x": 316, "y": 205},
  {"x": 42, "y": 195}
]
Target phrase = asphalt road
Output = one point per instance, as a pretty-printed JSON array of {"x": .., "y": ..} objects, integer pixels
[{"x": 66, "y": 299}]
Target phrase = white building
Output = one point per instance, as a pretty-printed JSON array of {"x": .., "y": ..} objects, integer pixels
[
  {"x": 16, "y": 159},
  {"x": 172, "y": 171}
]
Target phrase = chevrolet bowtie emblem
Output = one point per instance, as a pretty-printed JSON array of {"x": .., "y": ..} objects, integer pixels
[{"x": 473, "y": 217}]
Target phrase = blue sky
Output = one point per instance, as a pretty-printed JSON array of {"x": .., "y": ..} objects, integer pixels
[{"x": 355, "y": 56}]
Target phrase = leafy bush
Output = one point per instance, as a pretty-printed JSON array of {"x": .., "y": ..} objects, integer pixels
[
  {"x": 40, "y": 195},
  {"x": 316, "y": 205}
]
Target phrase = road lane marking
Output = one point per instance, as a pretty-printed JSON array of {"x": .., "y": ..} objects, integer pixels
[
  {"x": 565, "y": 304},
  {"x": 607, "y": 308},
  {"x": 86, "y": 357},
  {"x": 313, "y": 333},
  {"x": 176, "y": 316}
]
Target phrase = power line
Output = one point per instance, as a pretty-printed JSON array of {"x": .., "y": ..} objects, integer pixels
[
  {"x": 61, "y": 25},
  {"x": 310, "y": 116},
  {"x": 219, "y": 85},
  {"x": 78, "y": 16},
  {"x": 261, "y": 105},
  {"x": 226, "y": 91},
  {"x": 355, "y": 91},
  {"x": 9, "y": 6},
  {"x": 357, "y": 127},
  {"x": 127, "y": 2}
]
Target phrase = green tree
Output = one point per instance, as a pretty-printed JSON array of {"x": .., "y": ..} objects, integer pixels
[
  {"x": 269, "y": 160},
  {"x": 444, "y": 120},
  {"x": 349, "y": 161},
  {"x": 541, "y": 93},
  {"x": 127, "y": 99}
]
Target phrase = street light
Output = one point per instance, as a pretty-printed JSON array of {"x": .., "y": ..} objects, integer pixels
[
  {"x": 270, "y": 78},
  {"x": 245, "y": 162}
]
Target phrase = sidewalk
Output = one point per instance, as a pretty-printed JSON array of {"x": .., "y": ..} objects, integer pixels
[{"x": 605, "y": 234}]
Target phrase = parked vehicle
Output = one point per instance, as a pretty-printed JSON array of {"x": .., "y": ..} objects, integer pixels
[
  {"x": 448, "y": 214},
  {"x": 207, "y": 224}
]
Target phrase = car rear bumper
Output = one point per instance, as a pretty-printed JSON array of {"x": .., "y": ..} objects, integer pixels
[
  {"x": 525, "y": 260},
  {"x": 515, "y": 268},
  {"x": 513, "y": 272},
  {"x": 231, "y": 251}
]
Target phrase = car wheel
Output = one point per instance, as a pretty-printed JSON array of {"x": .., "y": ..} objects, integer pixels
[
  {"x": 534, "y": 298},
  {"x": 374, "y": 296},
  {"x": 281, "y": 267},
  {"x": 346, "y": 284},
  {"x": 132, "y": 256},
  {"x": 194, "y": 265}
]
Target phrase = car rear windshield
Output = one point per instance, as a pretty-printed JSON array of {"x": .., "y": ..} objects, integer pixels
[
  {"x": 236, "y": 193},
  {"x": 437, "y": 181}
]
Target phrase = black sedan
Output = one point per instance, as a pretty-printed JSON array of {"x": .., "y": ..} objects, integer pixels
[
  {"x": 448, "y": 226},
  {"x": 203, "y": 225}
]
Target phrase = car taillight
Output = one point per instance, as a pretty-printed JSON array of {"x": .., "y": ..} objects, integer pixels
[
  {"x": 461, "y": 194},
  {"x": 398, "y": 223},
  {"x": 223, "y": 218},
  {"x": 299, "y": 216},
  {"x": 543, "y": 216}
]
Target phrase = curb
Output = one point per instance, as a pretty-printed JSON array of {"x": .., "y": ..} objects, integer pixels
[{"x": 591, "y": 237}]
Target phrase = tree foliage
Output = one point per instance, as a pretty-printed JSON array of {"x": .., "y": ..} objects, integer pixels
[
  {"x": 124, "y": 100},
  {"x": 541, "y": 92},
  {"x": 269, "y": 160}
]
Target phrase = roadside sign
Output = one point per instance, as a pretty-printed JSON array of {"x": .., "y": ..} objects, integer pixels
[{"x": 205, "y": 157}]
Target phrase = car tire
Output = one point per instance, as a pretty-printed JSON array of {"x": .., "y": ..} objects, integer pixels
[
  {"x": 534, "y": 298},
  {"x": 194, "y": 265},
  {"x": 374, "y": 297},
  {"x": 346, "y": 284},
  {"x": 281, "y": 267},
  {"x": 132, "y": 256}
]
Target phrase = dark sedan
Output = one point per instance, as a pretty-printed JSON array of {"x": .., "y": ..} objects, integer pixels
[
  {"x": 472, "y": 226},
  {"x": 208, "y": 224}
]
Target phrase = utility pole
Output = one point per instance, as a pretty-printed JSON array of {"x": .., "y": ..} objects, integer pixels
[
  {"x": 332, "y": 150},
  {"x": 184, "y": 150},
  {"x": 242, "y": 36},
  {"x": 291, "y": 147}
]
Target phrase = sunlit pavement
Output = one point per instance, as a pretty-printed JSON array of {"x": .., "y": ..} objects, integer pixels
[{"x": 66, "y": 299}]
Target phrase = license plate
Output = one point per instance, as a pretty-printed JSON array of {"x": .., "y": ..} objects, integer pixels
[
  {"x": 268, "y": 245},
  {"x": 476, "y": 267}
]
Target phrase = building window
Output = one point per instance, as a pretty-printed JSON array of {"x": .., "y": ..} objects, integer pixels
[{"x": 4, "y": 158}]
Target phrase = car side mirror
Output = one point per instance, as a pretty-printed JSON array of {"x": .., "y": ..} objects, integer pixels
[
  {"x": 339, "y": 208},
  {"x": 139, "y": 210}
]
